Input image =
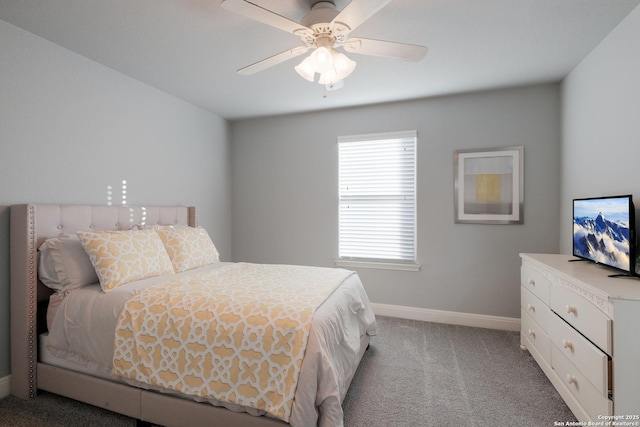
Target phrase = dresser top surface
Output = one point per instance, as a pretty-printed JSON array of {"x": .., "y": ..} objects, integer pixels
[{"x": 590, "y": 275}]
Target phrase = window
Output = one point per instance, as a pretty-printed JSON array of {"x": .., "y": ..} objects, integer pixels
[{"x": 377, "y": 192}]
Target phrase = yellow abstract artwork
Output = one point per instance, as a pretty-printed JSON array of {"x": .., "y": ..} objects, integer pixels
[{"x": 488, "y": 187}]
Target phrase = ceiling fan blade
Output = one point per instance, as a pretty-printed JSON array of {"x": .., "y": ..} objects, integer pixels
[
  {"x": 273, "y": 60},
  {"x": 260, "y": 14},
  {"x": 394, "y": 50},
  {"x": 358, "y": 11}
]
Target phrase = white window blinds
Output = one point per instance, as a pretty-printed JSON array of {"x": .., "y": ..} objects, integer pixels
[{"x": 377, "y": 190}]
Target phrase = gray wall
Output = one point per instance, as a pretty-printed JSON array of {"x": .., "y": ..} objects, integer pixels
[
  {"x": 284, "y": 194},
  {"x": 69, "y": 127},
  {"x": 601, "y": 123}
]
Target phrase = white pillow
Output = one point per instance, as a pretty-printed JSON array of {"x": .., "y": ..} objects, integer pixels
[{"x": 64, "y": 264}]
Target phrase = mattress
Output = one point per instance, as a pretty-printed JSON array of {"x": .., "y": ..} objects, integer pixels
[{"x": 82, "y": 331}]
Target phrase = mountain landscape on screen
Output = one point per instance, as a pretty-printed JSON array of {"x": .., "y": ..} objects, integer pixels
[{"x": 602, "y": 240}]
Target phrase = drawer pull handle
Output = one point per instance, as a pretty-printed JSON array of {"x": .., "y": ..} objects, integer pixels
[
  {"x": 572, "y": 310},
  {"x": 532, "y": 282},
  {"x": 572, "y": 380},
  {"x": 532, "y": 308},
  {"x": 532, "y": 333},
  {"x": 567, "y": 344}
]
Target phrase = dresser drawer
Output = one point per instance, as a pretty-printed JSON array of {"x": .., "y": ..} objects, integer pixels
[
  {"x": 589, "y": 359},
  {"x": 594, "y": 403},
  {"x": 535, "y": 308},
  {"x": 584, "y": 316},
  {"x": 536, "y": 335},
  {"x": 535, "y": 282}
]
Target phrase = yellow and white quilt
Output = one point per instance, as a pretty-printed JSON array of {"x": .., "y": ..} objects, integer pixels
[{"x": 236, "y": 334}]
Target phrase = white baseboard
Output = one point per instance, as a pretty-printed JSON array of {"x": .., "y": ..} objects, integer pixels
[
  {"x": 5, "y": 386},
  {"x": 450, "y": 317}
]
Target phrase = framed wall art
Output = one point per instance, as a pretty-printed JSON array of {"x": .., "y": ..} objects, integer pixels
[{"x": 489, "y": 185}]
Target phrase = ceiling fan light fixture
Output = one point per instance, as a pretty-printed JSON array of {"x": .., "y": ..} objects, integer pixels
[
  {"x": 343, "y": 65},
  {"x": 322, "y": 59},
  {"x": 333, "y": 66},
  {"x": 305, "y": 69},
  {"x": 328, "y": 78}
]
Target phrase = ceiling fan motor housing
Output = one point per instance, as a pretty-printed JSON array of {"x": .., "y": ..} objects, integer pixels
[
  {"x": 319, "y": 19},
  {"x": 321, "y": 12}
]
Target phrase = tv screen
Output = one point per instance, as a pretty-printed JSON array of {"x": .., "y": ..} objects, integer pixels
[{"x": 604, "y": 230}]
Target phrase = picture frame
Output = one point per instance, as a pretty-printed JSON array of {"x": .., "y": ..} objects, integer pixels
[{"x": 489, "y": 186}]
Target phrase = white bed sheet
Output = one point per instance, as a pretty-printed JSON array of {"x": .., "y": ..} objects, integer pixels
[{"x": 83, "y": 328}]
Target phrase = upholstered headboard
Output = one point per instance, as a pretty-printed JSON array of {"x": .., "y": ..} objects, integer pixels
[{"x": 30, "y": 226}]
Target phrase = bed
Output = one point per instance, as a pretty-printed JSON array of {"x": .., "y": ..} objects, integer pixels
[{"x": 339, "y": 332}]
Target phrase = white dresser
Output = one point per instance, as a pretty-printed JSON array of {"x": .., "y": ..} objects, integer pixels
[{"x": 583, "y": 329}]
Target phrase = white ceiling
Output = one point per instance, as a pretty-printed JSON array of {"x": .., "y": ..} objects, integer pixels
[{"x": 192, "y": 48}]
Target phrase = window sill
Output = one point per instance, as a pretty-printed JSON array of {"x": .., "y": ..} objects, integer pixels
[{"x": 379, "y": 265}]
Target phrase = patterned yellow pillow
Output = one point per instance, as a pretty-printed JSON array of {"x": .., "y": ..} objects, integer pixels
[
  {"x": 188, "y": 247},
  {"x": 124, "y": 256}
]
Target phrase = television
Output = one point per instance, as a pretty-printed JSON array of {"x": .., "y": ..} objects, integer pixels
[{"x": 604, "y": 232}]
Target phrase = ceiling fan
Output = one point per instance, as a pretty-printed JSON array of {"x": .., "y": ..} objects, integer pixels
[{"x": 325, "y": 29}]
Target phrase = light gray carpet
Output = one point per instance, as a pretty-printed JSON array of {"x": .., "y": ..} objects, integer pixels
[
  {"x": 414, "y": 374},
  {"x": 430, "y": 374}
]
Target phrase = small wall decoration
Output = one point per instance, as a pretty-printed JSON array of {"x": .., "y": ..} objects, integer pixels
[{"x": 489, "y": 185}]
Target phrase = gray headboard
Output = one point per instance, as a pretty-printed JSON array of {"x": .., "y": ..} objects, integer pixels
[{"x": 30, "y": 225}]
